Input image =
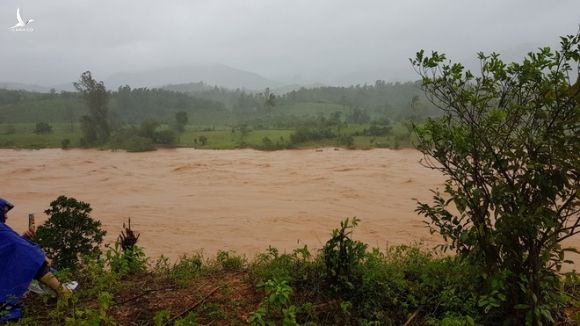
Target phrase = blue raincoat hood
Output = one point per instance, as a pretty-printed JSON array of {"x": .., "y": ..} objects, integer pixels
[{"x": 3, "y": 204}]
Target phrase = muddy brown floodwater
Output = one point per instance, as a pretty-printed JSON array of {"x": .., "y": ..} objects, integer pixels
[{"x": 186, "y": 200}]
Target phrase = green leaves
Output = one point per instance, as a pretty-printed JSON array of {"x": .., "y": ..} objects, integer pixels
[
  {"x": 507, "y": 143},
  {"x": 276, "y": 304},
  {"x": 69, "y": 232},
  {"x": 342, "y": 255}
]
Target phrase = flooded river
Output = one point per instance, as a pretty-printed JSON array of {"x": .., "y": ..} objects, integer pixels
[{"x": 186, "y": 200}]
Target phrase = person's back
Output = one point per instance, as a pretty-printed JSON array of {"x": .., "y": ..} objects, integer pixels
[{"x": 21, "y": 261}]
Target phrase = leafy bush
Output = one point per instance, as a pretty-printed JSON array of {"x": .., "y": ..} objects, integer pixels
[
  {"x": 69, "y": 232},
  {"x": 276, "y": 305},
  {"x": 65, "y": 143},
  {"x": 149, "y": 129},
  {"x": 164, "y": 137},
  {"x": 126, "y": 261},
  {"x": 342, "y": 255},
  {"x": 375, "y": 287},
  {"x": 304, "y": 134},
  {"x": 346, "y": 140},
  {"x": 202, "y": 140},
  {"x": 230, "y": 261},
  {"x": 267, "y": 142},
  {"x": 138, "y": 144},
  {"x": 270, "y": 265},
  {"x": 358, "y": 115},
  {"x": 376, "y": 129},
  {"x": 129, "y": 140},
  {"x": 270, "y": 145},
  {"x": 183, "y": 271},
  {"x": 42, "y": 128},
  {"x": 508, "y": 143}
]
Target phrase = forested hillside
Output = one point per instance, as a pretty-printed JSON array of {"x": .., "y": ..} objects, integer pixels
[{"x": 208, "y": 105}]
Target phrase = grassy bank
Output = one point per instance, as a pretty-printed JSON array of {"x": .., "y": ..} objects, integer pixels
[{"x": 345, "y": 283}]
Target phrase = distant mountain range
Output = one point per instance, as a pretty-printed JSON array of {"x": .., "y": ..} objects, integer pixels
[
  {"x": 24, "y": 87},
  {"x": 219, "y": 75},
  {"x": 209, "y": 75},
  {"x": 201, "y": 86},
  {"x": 187, "y": 79}
]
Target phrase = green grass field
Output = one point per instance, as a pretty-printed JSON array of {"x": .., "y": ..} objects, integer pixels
[{"x": 21, "y": 135}]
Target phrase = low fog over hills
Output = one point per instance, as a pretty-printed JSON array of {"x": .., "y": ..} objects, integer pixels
[
  {"x": 209, "y": 75},
  {"x": 219, "y": 75}
]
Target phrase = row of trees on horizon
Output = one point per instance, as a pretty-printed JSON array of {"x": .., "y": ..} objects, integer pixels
[{"x": 220, "y": 106}]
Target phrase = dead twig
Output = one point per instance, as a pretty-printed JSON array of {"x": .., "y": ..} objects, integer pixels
[
  {"x": 140, "y": 295},
  {"x": 195, "y": 305},
  {"x": 412, "y": 318}
]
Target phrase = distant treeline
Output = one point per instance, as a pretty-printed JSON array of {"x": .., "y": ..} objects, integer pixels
[
  {"x": 207, "y": 105},
  {"x": 126, "y": 106},
  {"x": 394, "y": 101}
]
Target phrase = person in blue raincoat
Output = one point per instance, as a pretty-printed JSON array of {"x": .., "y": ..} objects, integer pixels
[{"x": 21, "y": 261}]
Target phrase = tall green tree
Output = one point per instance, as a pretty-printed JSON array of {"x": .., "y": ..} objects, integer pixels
[
  {"x": 95, "y": 125},
  {"x": 508, "y": 143},
  {"x": 181, "y": 120}
]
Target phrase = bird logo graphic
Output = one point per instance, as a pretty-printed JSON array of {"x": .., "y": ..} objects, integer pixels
[{"x": 21, "y": 23}]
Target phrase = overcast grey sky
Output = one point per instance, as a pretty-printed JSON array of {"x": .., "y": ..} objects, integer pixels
[{"x": 291, "y": 41}]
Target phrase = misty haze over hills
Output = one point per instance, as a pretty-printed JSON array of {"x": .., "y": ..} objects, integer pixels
[
  {"x": 256, "y": 44},
  {"x": 188, "y": 78},
  {"x": 182, "y": 78},
  {"x": 297, "y": 42},
  {"x": 25, "y": 87},
  {"x": 215, "y": 75}
]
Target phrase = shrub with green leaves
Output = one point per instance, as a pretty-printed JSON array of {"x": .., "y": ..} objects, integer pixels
[
  {"x": 164, "y": 137},
  {"x": 230, "y": 261},
  {"x": 129, "y": 140},
  {"x": 342, "y": 255},
  {"x": 183, "y": 271},
  {"x": 126, "y": 261},
  {"x": 275, "y": 306},
  {"x": 42, "y": 128},
  {"x": 304, "y": 134},
  {"x": 69, "y": 232},
  {"x": 383, "y": 287},
  {"x": 508, "y": 143},
  {"x": 65, "y": 143}
]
